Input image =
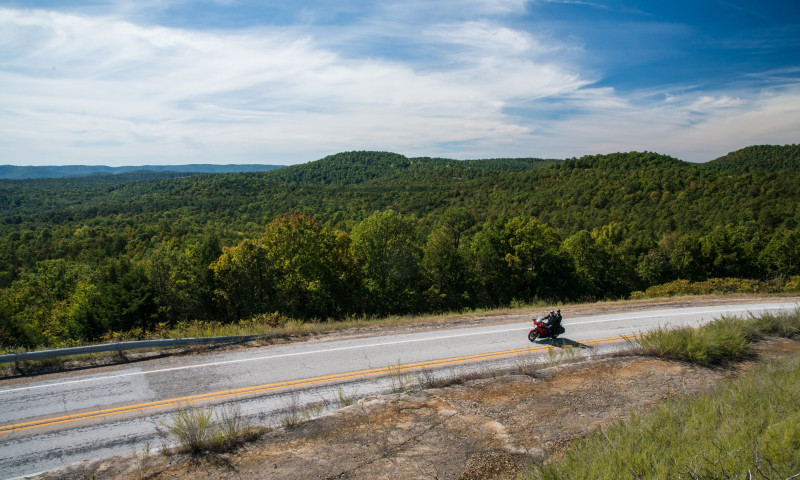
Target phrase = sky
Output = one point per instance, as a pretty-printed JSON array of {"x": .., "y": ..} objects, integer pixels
[{"x": 132, "y": 82}]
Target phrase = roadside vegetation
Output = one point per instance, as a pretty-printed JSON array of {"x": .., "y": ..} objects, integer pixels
[
  {"x": 747, "y": 428},
  {"x": 721, "y": 341},
  {"x": 200, "y": 431},
  {"x": 719, "y": 286}
]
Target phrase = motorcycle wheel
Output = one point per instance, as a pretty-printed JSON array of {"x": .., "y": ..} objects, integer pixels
[{"x": 533, "y": 336}]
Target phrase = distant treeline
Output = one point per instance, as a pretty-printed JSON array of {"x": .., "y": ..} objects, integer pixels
[
  {"x": 58, "y": 171},
  {"x": 375, "y": 233}
]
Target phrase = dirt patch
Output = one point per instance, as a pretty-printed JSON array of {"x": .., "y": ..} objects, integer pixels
[{"x": 485, "y": 429}]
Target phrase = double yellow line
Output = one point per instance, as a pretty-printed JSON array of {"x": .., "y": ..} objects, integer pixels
[{"x": 278, "y": 385}]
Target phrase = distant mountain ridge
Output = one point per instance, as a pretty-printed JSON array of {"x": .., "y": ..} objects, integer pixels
[
  {"x": 355, "y": 167},
  {"x": 17, "y": 172}
]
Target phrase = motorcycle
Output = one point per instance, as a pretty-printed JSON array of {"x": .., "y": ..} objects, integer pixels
[{"x": 540, "y": 331}]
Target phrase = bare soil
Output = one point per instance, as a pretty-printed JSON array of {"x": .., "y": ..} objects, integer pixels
[{"x": 491, "y": 428}]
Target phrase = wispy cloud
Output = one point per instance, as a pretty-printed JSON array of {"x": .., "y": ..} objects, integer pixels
[
  {"x": 109, "y": 82},
  {"x": 451, "y": 78}
]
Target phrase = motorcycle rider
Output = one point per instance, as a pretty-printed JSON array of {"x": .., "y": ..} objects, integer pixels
[{"x": 553, "y": 320}]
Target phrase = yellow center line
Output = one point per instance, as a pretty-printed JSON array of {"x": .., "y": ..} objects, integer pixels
[{"x": 284, "y": 384}]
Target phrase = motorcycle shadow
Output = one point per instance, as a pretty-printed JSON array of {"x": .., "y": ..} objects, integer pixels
[{"x": 563, "y": 342}]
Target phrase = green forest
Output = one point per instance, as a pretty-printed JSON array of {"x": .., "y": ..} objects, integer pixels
[{"x": 377, "y": 233}]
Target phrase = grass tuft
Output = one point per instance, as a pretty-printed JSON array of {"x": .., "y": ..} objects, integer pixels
[
  {"x": 205, "y": 430},
  {"x": 344, "y": 399},
  {"x": 720, "y": 341},
  {"x": 723, "y": 340},
  {"x": 785, "y": 324},
  {"x": 432, "y": 379}
]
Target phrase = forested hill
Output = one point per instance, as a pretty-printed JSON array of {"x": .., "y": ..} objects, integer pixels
[
  {"x": 646, "y": 192},
  {"x": 379, "y": 233},
  {"x": 61, "y": 171},
  {"x": 759, "y": 158},
  {"x": 351, "y": 168}
]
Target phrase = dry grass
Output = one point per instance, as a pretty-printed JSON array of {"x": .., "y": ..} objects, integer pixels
[{"x": 200, "y": 431}]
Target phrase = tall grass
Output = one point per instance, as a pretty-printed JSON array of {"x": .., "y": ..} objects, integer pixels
[
  {"x": 781, "y": 325},
  {"x": 723, "y": 340},
  {"x": 748, "y": 428},
  {"x": 719, "y": 341}
]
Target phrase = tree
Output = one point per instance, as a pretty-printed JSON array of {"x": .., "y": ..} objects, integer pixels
[
  {"x": 386, "y": 248},
  {"x": 173, "y": 281},
  {"x": 491, "y": 273},
  {"x": 782, "y": 254},
  {"x": 297, "y": 267},
  {"x": 311, "y": 265},
  {"x": 686, "y": 258},
  {"x": 50, "y": 305},
  {"x": 600, "y": 262},
  {"x": 201, "y": 256},
  {"x": 445, "y": 268},
  {"x": 244, "y": 280},
  {"x": 455, "y": 222},
  {"x": 125, "y": 297},
  {"x": 539, "y": 268},
  {"x": 725, "y": 252},
  {"x": 444, "y": 262},
  {"x": 521, "y": 259}
]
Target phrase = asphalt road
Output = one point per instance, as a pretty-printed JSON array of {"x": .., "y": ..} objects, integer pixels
[{"x": 46, "y": 424}]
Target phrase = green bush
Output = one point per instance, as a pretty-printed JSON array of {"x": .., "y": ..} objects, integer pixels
[{"x": 792, "y": 285}]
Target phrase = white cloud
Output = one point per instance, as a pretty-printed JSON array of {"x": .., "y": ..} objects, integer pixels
[
  {"x": 99, "y": 89},
  {"x": 139, "y": 92},
  {"x": 708, "y": 103},
  {"x": 690, "y": 126}
]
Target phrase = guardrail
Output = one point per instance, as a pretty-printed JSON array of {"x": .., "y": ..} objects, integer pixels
[{"x": 120, "y": 346}]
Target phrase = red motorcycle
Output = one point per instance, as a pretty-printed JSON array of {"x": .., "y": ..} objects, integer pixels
[{"x": 540, "y": 330}]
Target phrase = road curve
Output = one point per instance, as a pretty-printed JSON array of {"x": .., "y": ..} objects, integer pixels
[{"x": 46, "y": 424}]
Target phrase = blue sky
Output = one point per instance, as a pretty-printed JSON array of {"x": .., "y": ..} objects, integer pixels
[{"x": 122, "y": 82}]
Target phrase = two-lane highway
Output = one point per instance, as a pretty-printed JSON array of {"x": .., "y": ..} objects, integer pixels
[{"x": 47, "y": 424}]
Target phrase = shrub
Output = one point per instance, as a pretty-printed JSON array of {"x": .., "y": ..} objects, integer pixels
[
  {"x": 792, "y": 285},
  {"x": 717, "y": 286}
]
